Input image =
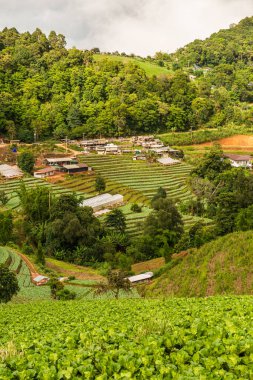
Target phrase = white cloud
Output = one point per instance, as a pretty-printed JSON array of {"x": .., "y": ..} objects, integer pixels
[{"x": 134, "y": 26}]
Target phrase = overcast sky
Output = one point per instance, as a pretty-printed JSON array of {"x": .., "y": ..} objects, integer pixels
[{"x": 132, "y": 26}]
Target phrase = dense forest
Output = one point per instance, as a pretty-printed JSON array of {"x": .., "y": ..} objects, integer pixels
[{"x": 51, "y": 91}]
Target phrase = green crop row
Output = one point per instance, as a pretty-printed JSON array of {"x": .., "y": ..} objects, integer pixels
[{"x": 177, "y": 339}]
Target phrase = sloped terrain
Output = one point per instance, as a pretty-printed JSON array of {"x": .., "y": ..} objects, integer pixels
[{"x": 221, "y": 267}]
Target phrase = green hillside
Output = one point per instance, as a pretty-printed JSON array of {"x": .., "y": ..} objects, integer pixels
[
  {"x": 227, "y": 46},
  {"x": 223, "y": 266},
  {"x": 150, "y": 67},
  {"x": 55, "y": 91}
]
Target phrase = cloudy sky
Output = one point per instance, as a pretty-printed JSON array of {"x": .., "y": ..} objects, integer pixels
[{"x": 133, "y": 26}]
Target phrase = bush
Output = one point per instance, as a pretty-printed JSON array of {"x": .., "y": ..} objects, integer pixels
[
  {"x": 136, "y": 208},
  {"x": 65, "y": 295}
]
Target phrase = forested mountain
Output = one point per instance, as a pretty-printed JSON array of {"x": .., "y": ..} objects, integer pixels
[
  {"x": 229, "y": 46},
  {"x": 53, "y": 91}
]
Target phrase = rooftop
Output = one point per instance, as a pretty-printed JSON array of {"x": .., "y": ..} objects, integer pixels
[
  {"x": 239, "y": 157},
  {"x": 141, "y": 277},
  {"x": 44, "y": 170}
]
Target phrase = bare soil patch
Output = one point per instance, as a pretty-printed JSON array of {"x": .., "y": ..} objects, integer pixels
[
  {"x": 240, "y": 142},
  {"x": 149, "y": 265},
  {"x": 85, "y": 274}
]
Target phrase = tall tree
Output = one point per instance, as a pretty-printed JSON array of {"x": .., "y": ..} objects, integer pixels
[{"x": 8, "y": 284}]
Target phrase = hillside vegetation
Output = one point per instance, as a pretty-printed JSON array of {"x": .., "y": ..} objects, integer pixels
[
  {"x": 149, "y": 66},
  {"x": 223, "y": 266},
  {"x": 47, "y": 90}
]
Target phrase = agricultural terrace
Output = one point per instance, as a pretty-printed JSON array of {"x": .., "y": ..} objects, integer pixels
[
  {"x": 138, "y": 181},
  {"x": 128, "y": 339},
  {"x": 15, "y": 263},
  {"x": 11, "y": 187},
  {"x": 85, "y": 289}
]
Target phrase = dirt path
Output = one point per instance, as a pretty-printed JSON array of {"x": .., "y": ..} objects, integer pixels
[{"x": 69, "y": 150}]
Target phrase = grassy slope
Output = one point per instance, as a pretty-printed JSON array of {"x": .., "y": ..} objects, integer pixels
[
  {"x": 149, "y": 67},
  {"x": 223, "y": 266}
]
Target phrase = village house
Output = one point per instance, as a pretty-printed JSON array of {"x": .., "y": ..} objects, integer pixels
[
  {"x": 45, "y": 172},
  {"x": 238, "y": 160},
  {"x": 40, "y": 280},
  {"x": 60, "y": 161},
  {"x": 75, "y": 168}
]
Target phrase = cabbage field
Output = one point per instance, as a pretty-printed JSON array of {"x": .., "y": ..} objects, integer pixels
[{"x": 209, "y": 338}]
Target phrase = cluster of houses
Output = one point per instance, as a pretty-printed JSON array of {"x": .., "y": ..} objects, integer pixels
[
  {"x": 67, "y": 165},
  {"x": 101, "y": 146},
  {"x": 166, "y": 155}
]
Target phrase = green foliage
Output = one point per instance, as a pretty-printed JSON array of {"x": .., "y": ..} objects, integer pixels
[
  {"x": 116, "y": 220},
  {"x": 212, "y": 164},
  {"x": 244, "y": 219},
  {"x": 48, "y": 90},
  {"x": 220, "y": 267},
  {"x": 26, "y": 162},
  {"x": 134, "y": 339},
  {"x": 3, "y": 197},
  {"x": 73, "y": 229},
  {"x": 65, "y": 295},
  {"x": 8, "y": 284},
  {"x": 100, "y": 184},
  {"x": 40, "y": 255},
  {"x": 161, "y": 193},
  {"x": 136, "y": 208},
  {"x": 56, "y": 286},
  {"x": 116, "y": 281},
  {"x": 6, "y": 227}
]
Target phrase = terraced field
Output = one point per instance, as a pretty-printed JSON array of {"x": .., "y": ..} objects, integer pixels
[
  {"x": 17, "y": 265},
  {"x": 138, "y": 181},
  {"x": 11, "y": 188}
]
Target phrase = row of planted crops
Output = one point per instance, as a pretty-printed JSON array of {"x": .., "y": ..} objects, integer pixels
[
  {"x": 14, "y": 262},
  {"x": 207, "y": 338},
  {"x": 137, "y": 181}
]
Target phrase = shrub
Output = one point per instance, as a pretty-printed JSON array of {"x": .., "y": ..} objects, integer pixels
[{"x": 136, "y": 208}]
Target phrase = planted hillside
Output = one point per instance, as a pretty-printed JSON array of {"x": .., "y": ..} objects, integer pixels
[{"x": 221, "y": 267}]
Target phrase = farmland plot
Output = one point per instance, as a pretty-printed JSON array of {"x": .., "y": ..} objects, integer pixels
[{"x": 178, "y": 339}]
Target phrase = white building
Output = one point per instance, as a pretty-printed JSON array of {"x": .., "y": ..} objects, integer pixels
[
  {"x": 143, "y": 277},
  {"x": 240, "y": 161}
]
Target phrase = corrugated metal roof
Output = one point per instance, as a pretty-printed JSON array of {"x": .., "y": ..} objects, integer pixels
[
  {"x": 40, "y": 278},
  {"x": 60, "y": 159},
  {"x": 239, "y": 157},
  {"x": 44, "y": 170},
  {"x": 75, "y": 166},
  {"x": 141, "y": 277}
]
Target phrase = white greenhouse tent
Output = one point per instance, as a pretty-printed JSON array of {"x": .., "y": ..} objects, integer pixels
[
  {"x": 9, "y": 171},
  {"x": 103, "y": 200}
]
